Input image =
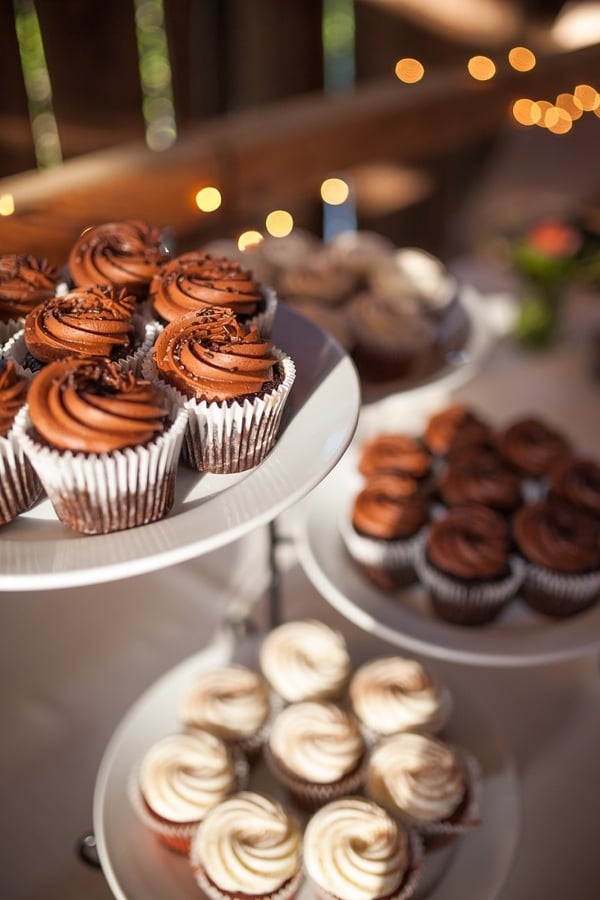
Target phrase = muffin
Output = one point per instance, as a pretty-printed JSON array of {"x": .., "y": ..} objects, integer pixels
[
  {"x": 532, "y": 447},
  {"x": 426, "y": 783},
  {"x": 561, "y": 545},
  {"x": 197, "y": 280},
  {"x": 477, "y": 474},
  {"x": 236, "y": 384},
  {"x": 230, "y": 701},
  {"x": 361, "y": 251},
  {"x": 104, "y": 444},
  {"x": 125, "y": 254},
  {"x": 454, "y": 427},
  {"x": 25, "y": 281},
  {"x": 97, "y": 321},
  {"x": 316, "y": 751},
  {"x": 394, "y": 452},
  {"x": 393, "y": 694},
  {"x": 178, "y": 780},
  {"x": 384, "y": 527},
  {"x": 249, "y": 845},
  {"x": 467, "y": 566},
  {"x": 354, "y": 850},
  {"x": 576, "y": 480},
  {"x": 305, "y": 660},
  {"x": 317, "y": 276},
  {"x": 19, "y": 485}
]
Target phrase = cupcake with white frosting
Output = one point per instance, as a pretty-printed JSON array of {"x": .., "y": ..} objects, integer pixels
[
  {"x": 391, "y": 694},
  {"x": 354, "y": 850},
  {"x": 316, "y": 750},
  {"x": 231, "y": 701},
  {"x": 305, "y": 660},
  {"x": 178, "y": 780},
  {"x": 248, "y": 846},
  {"x": 426, "y": 783}
]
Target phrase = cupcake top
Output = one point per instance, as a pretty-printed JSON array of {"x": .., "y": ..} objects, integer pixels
[
  {"x": 453, "y": 427},
  {"x": 393, "y": 694},
  {"x": 125, "y": 254},
  {"x": 558, "y": 536},
  {"x": 91, "y": 321},
  {"x": 396, "y": 327},
  {"x": 90, "y": 406},
  {"x": 182, "y": 776},
  {"x": 389, "y": 507},
  {"x": 13, "y": 394},
  {"x": 416, "y": 777},
  {"x": 197, "y": 279},
  {"x": 394, "y": 453},
  {"x": 477, "y": 475},
  {"x": 305, "y": 660},
  {"x": 319, "y": 276},
  {"x": 577, "y": 480},
  {"x": 316, "y": 741},
  {"x": 354, "y": 850},
  {"x": 248, "y": 844},
  {"x": 229, "y": 701},
  {"x": 471, "y": 543},
  {"x": 209, "y": 355},
  {"x": 25, "y": 281},
  {"x": 532, "y": 446}
]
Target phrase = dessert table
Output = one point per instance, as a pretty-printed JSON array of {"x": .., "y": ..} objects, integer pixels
[{"x": 75, "y": 660}]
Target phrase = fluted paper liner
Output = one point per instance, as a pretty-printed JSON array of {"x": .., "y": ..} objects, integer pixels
[
  {"x": 287, "y": 891},
  {"x": 20, "y": 486},
  {"x": 391, "y": 556},
  {"x": 311, "y": 795},
  {"x": 8, "y": 331},
  {"x": 560, "y": 594}
]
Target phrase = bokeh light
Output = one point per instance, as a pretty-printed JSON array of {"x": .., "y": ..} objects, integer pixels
[
  {"x": 249, "y": 239},
  {"x": 558, "y": 121},
  {"x": 521, "y": 59},
  {"x": 570, "y": 104},
  {"x": 7, "y": 205},
  {"x": 208, "y": 199},
  {"x": 587, "y": 96},
  {"x": 409, "y": 70},
  {"x": 279, "y": 223},
  {"x": 481, "y": 68},
  {"x": 526, "y": 112},
  {"x": 334, "y": 191}
]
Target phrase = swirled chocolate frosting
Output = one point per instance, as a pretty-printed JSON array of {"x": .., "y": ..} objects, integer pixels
[
  {"x": 211, "y": 356},
  {"x": 13, "y": 394},
  {"x": 230, "y": 701},
  {"x": 558, "y": 536},
  {"x": 353, "y": 848},
  {"x": 417, "y": 777},
  {"x": 577, "y": 480},
  {"x": 470, "y": 543},
  {"x": 25, "y": 281},
  {"x": 453, "y": 427},
  {"x": 125, "y": 254},
  {"x": 92, "y": 321},
  {"x": 531, "y": 446},
  {"x": 478, "y": 475},
  {"x": 388, "y": 508},
  {"x": 182, "y": 776},
  {"x": 197, "y": 279},
  {"x": 394, "y": 453},
  {"x": 90, "y": 406},
  {"x": 249, "y": 845}
]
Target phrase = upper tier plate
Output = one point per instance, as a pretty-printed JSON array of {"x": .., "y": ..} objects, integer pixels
[{"x": 37, "y": 552}]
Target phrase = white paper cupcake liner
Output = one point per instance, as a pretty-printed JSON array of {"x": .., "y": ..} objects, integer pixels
[
  {"x": 98, "y": 493},
  {"x": 388, "y": 555},
  {"x": 265, "y": 319},
  {"x": 560, "y": 594},
  {"x": 7, "y": 331},
  {"x": 287, "y": 891},
  {"x": 20, "y": 486},
  {"x": 224, "y": 438}
]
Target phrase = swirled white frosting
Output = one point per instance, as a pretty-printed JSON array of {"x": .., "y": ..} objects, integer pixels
[
  {"x": 353, "y": 849},
  {"x": 182, "y": 776},
  {"x": 417, "y": 777},
  {"x": 392, "y": 694},
  {"x": 248, "y": 843},
  {"x": 305, "y": 660},
  {"x": 316, "y": 741},
  {"x": 229, "y": 701}
]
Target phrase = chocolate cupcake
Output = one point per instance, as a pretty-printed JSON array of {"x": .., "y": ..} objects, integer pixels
[
  {"x": 576, "y": 480},
  {"x": 354, "y": 850},
  {"x": 467, "y": 567},
  {"x": 20, "y": 487},
  {"x": 394, "y": 453},
  {"x": 454, "y": 427},
  {"x": 236, "y": 384},
  {"x": 25, "y": 281},
  {"x": 384, "y": 528},
  {"x": 315, "y": 749},
  {"x": 124, "y": 254},
  {"x": 426, "y": 783},
  {"x": 532, "y": 447},
  {"x": 104, "y": 444},
  {"x": 561, "y": 544},
  {"x": 478, "y": 475},
  {"x": 197, "y": 280},
  {"x": 393, "y": 694},
  {"x": 249, "y": 845}
]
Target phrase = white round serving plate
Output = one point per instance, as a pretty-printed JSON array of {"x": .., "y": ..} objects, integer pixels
[
  {"x": 519, "y": 637},
  {"x": 137, "y": 867},
  {"x": 38, "y": 552}
]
